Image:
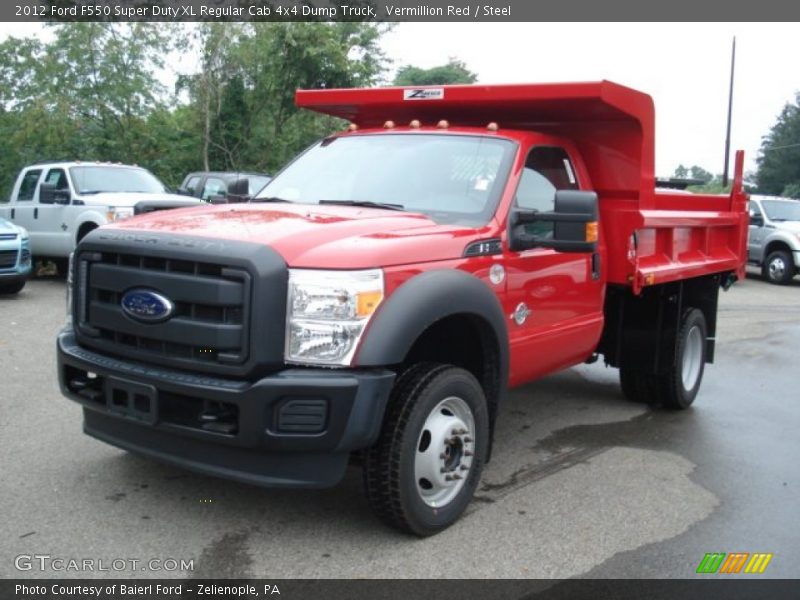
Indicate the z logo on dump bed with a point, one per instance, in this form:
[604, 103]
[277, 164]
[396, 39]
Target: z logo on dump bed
[424, 94]
[716, 562]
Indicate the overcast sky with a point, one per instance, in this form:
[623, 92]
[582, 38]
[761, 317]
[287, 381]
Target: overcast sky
[684, 66]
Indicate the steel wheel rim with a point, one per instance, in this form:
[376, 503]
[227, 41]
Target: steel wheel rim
[777, 268]
[692, 358]
[444, 452]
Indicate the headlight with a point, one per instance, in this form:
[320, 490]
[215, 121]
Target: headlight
[117, 214]
[70, 279]
[327, 312]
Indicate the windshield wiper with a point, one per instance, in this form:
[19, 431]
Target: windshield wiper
[271, 199]
[91, 192]
[366, 203]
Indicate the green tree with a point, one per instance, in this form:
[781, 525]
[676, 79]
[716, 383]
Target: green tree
[700, 174]
[245, 89]
[779, 159]
[85, 95]
[791, 191]
[93, 93]
[454, 71]
[681, 172]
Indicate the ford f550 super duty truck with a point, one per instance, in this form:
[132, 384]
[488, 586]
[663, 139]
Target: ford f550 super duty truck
[383, 291]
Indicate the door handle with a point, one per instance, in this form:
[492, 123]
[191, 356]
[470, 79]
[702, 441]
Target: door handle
[596, 266]
[13, 210]
[35, 213]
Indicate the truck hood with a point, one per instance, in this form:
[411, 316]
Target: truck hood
[314, 236]
[125, 199]
[9, 227]
[791, 226]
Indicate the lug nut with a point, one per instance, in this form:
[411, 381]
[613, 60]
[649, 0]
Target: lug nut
[467, 440]
[468, 453]
[464, 468]
[457, 476]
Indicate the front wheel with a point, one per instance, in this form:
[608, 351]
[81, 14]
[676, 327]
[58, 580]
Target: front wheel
[779, 267]
[422, 472]
[12, 288]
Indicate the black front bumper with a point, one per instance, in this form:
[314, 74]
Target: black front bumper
[294, 428]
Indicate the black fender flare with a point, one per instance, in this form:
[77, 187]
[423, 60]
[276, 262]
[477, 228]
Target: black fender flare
[422, 301]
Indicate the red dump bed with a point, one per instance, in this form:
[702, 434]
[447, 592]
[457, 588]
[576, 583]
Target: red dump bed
[651, 237]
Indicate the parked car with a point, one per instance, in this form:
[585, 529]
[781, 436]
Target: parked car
[773, 242]
[60, 202]
[380, 295]
[213, 185]
[15, 257]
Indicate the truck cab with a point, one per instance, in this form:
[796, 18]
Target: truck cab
[60, 202]
[379, 296]
[774, 237]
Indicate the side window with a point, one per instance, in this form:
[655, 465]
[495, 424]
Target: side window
[214, 187]
[28, 185]
[191, 184]
[58, 178]
[547, 169]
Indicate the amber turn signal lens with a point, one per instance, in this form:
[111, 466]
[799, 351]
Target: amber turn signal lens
[591, 231]
[367, 303]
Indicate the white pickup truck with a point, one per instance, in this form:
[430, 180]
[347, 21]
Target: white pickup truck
[60, 202]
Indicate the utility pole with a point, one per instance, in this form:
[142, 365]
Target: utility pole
[730, 111]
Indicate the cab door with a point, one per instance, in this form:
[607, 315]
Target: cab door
[22, 210]
[755, 233]
[50, 219]
[556, 298]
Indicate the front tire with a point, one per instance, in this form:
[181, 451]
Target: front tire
[422, 472]
[778, 268]
[12, 288]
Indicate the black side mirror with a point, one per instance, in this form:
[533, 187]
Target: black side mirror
[239, 187]
[238, 191]
[574, 220]
[756, 220]
[48, 194]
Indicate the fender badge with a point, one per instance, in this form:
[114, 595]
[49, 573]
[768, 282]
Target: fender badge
[521, 313]
[497, 274]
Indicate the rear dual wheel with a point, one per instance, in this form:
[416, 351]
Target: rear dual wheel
[423, 471]
[678, 387]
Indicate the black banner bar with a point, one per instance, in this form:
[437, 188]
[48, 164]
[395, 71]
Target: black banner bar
[456, 11]
[731, 588]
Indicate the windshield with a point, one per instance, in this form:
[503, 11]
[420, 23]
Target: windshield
[782, 210]
[451, 178]
[93, 180]
[255, 183]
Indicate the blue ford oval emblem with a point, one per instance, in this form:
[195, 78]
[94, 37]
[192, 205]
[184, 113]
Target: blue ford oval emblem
[147, 306]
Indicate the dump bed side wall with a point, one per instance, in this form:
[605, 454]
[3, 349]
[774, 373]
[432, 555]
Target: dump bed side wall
[682, 236]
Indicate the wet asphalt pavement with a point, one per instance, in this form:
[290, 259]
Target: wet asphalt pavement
[582, 483]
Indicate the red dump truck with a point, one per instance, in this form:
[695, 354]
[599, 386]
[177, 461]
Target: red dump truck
[382, 293]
